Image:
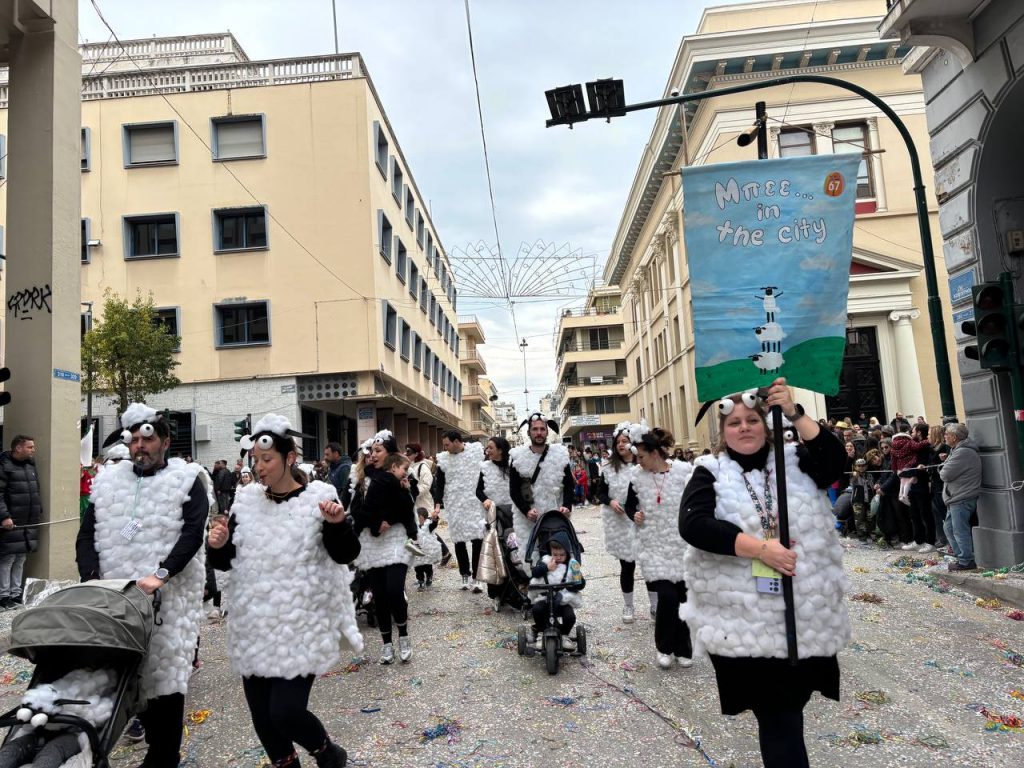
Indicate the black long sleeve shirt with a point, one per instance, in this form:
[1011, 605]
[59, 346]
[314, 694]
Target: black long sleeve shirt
[340, 541]
[193, 512]
[437, 488]
[822, 458]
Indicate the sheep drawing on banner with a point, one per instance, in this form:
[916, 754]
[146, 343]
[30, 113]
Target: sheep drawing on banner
[770, 359]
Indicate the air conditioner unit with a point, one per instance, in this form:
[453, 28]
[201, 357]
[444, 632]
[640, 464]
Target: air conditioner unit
[202, 433]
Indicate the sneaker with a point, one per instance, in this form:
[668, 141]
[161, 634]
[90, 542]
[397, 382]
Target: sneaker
[476, 586]
[926, 548]
[404, 648]
[910, 546]
[367, 597]
[135, 732]
[568, 644]
[465, 583]
[496, 603]
[627, 615]
[429, 582]
[684, 662]
[665, 660]
[946, 551]
[215, 615]
[387, 654]
[446, 558]
[19, 600]
[420, 586]
[654, 612]
[196, 666]
[332, 756]
[955, 566]
[412, 546]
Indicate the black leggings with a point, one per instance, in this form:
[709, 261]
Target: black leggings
[388, 586]
[164, 720]
[922, 519]
[626, 576]
[281, 716]
[781, 735]
[671, 634]
[463, 557]
[424, 572]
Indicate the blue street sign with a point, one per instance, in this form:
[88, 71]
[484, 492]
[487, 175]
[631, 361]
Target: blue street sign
[960, 287]
[59, 373]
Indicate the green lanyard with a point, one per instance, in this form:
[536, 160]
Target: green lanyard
[135, 504]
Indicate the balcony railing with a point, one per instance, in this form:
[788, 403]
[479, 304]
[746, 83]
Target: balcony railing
[586, 381]
[474, 390]
[585, 346]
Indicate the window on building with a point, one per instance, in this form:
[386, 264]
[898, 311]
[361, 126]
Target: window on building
[384, 235]
[380, 142]
[151, 235]
[150, 144]
[239, 137]
[3, 156]
[424, 295]
[414, 280]
[167, 318]
[86, 235]
[432, 314]
[444, 279]
[86, 149]
[397, 181]
[405, 340]
[390, 317]
[428, 362]
[240, 229]
[639, 373]
[437, 370]
[437, 261]
[599, 338]
[854, 138]
[796, 142]
[677, 334]
[417, 350]
[85, 323]
[401, 260]
[419, 229]
[243, 324]
[605, 404]
[410, 206]
[429, 249]
[455, 298]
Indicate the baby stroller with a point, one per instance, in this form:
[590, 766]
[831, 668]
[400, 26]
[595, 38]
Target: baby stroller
[95, 625]
[363, 598]
[547, 526]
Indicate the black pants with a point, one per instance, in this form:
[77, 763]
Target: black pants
[781, 735]
[211, 592]
[626, 576]
[388, 585]
[424, 572]
[163, 721]
[565, 616]
[281, 716]
[921, 518]
[671, 635]
[463, 557]
[939, 516]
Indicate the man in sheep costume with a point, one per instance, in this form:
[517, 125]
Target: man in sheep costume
[146, 521]
[454, 488]
[539, 477]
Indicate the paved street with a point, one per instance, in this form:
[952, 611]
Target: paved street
[921, 663]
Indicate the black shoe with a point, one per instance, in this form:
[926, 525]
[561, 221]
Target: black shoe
[430, 581]
[332, 756]
[19, 600]
[135, 732]
[971, 566]
[446, 558]
[7, 603]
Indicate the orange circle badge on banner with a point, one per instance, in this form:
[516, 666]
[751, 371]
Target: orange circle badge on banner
[834, 184]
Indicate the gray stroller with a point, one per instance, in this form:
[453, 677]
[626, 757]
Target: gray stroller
[98, 625]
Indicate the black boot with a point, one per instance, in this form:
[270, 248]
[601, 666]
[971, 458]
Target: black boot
[331, 756]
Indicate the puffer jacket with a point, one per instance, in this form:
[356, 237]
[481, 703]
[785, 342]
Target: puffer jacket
[20, 501]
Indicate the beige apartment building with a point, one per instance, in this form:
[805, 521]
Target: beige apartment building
[593, 381]
[477, 416]
[889, 364]
[270, 211]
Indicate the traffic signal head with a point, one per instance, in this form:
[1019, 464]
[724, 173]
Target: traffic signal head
[241, 428]
[992, 326]
[5, 397]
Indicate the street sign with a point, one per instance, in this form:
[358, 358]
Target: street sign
[60, 373]
[960, 287]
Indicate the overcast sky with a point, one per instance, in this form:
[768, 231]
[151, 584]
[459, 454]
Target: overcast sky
[555, 185]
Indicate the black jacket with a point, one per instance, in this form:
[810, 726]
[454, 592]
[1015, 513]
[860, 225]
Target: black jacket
[20, 501]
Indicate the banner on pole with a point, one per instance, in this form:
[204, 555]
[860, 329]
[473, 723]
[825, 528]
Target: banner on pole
[769, 244]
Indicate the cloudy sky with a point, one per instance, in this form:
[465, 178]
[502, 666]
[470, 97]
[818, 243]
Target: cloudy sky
[559, 186]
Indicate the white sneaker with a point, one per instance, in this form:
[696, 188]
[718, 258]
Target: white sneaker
[926, 548]
[404, 649]
[215, 615]
[412, 546]
[387, 654]
[627, 616]
[476, 587]
[465, 583]
[568, 644]
[496, 602]
[665, 660]
[684, 662]
[910, 547]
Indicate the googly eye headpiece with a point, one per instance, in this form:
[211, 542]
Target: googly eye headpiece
[139, 417]
[752, 398]
[538, 416]
[264, 431]
[621, 428]
[364, 446]
[636, 433]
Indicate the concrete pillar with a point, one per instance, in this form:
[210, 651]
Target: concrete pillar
[909, 375]
[386, 419]
[366, 421]
[43, 281]
[412, 427]
[401, 430]
[881, 202]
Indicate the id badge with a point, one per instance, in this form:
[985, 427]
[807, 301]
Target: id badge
[131, 529]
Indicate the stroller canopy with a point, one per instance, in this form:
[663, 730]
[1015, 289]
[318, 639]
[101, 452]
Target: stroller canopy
[103, 619]
[547, 525]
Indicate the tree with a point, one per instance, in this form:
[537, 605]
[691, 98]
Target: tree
[130, 353]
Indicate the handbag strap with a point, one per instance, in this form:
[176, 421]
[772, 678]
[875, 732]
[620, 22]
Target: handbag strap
[536, 472]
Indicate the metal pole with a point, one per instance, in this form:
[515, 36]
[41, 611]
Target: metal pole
[936, 319]
[334, 16]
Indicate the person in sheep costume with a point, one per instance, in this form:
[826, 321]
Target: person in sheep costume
[88, 694]
[146, 521]
[728, 516]
[492, 491]
[652, 502]
[539, 477]
[455, 481]
[286, 542]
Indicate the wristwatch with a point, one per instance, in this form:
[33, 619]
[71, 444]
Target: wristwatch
[162, 573]
[798, 412]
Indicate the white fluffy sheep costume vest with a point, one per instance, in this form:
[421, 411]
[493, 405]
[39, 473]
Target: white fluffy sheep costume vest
[660, 548]
[724, 607]
[619, 530]
[495, 483]
[118, 495]
[290, 603]
[463, 510]
[547, 489]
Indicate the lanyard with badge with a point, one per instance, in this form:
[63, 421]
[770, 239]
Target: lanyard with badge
[133, 526]
[768, 580]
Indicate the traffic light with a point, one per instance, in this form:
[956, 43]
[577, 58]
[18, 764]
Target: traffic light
[993, 326]
[5, 397]
[243, 427]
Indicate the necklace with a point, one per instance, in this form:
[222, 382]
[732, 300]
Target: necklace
[764, 509]
[658, 486]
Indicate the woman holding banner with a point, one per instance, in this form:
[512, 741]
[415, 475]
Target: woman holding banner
[728, 515]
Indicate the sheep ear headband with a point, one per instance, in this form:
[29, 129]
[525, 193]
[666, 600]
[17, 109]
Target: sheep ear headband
[622, 428]
[263, 432]
[636, 433]
[752, 398]
[528, 422]
[141, 417]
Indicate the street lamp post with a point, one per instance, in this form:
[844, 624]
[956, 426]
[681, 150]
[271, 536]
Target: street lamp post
[526, 390]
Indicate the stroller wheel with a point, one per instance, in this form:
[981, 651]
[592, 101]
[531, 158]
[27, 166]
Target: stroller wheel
[521, 641]
[581, 640]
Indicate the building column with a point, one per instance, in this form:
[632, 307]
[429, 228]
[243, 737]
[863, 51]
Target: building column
[908, 376]
[43, 280]
[823, 138]
[875, 161]
[412, 428]
[366, 421]
[401, 430]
